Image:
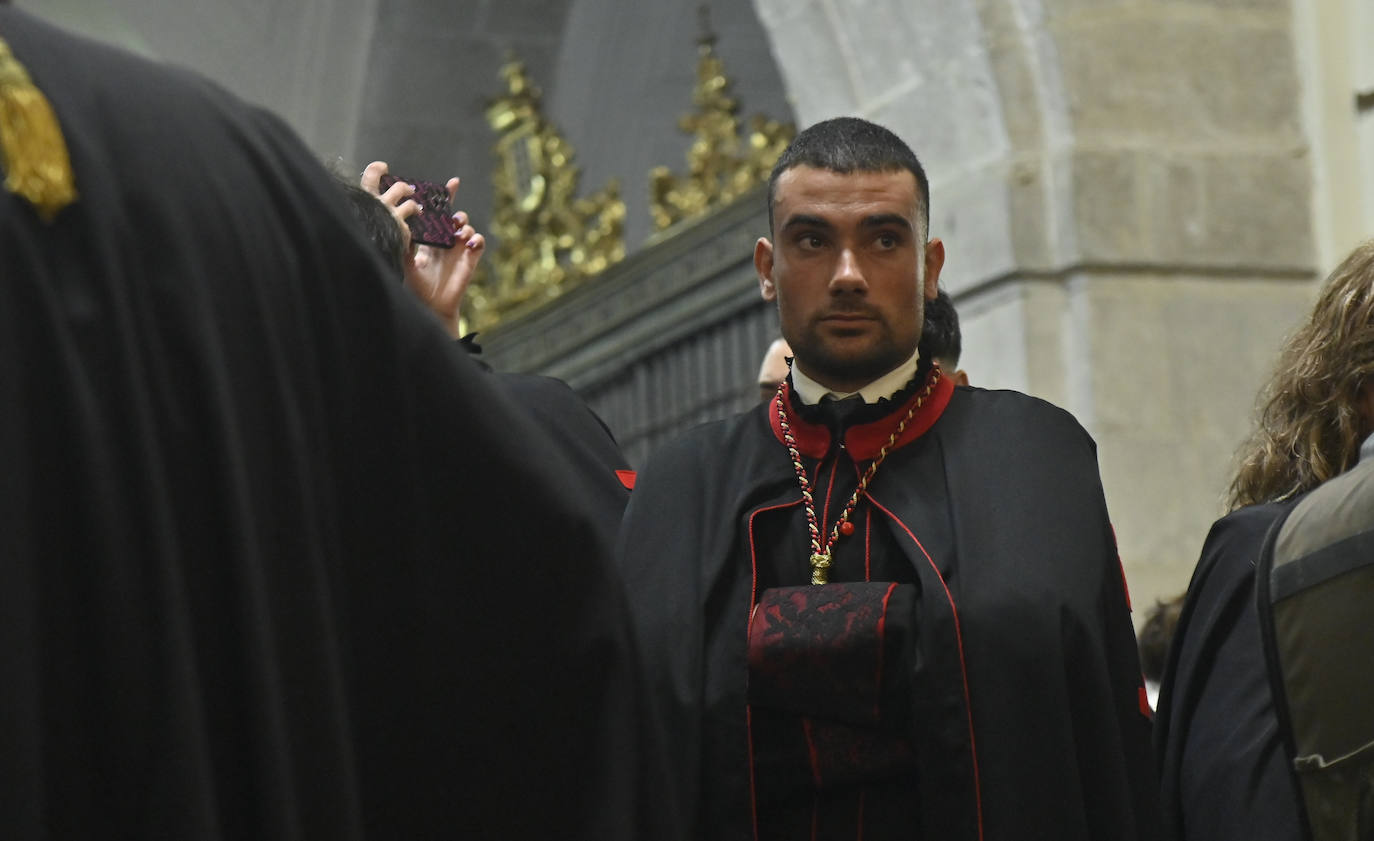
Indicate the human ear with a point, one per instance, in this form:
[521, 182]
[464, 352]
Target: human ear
[763, 264]
[935, 261]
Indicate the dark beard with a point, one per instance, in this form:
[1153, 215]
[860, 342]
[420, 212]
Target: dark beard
[820, 364]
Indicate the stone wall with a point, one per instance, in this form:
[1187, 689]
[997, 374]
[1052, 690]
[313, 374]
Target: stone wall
[1333, 38]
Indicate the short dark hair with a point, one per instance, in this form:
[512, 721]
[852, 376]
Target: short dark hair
[1157, 635]
[940, 338]
[382, 229]
[849, 144]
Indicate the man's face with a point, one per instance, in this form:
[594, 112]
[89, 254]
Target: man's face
[848, 271]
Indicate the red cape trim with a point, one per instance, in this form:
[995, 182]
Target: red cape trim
[865, 440]
[749, 710]
[959, 640]
[627, 478]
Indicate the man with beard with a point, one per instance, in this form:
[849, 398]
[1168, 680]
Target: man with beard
[878, 606]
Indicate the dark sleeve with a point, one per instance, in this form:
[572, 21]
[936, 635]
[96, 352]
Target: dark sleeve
[502, 669]
[1063, 744]
[600, 470]
[656, 555]
[1104, 693]
[1126, 683]
[1223, 770]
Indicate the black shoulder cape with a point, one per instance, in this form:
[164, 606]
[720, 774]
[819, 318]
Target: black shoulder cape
[1028, 681]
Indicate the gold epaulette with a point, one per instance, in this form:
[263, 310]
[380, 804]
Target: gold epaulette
[37, 167]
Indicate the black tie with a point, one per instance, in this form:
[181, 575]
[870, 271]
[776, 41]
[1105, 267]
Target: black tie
[837, 412]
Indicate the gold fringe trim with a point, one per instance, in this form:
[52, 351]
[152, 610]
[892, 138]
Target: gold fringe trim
[35, 159]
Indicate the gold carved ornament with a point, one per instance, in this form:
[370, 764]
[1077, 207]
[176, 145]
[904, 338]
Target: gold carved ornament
[33, 151]
[548, 239]
[721, 165]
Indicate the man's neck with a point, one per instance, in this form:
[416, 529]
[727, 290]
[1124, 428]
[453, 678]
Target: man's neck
[809, 390]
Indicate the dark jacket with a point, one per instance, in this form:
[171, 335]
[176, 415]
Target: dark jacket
[1223, 772]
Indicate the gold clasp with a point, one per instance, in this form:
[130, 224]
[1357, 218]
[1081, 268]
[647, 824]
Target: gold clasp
[820, 567]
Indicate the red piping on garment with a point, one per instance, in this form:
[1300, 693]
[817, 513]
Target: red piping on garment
[811, 755]
[963, 666]
[882, 627]
[749, 615]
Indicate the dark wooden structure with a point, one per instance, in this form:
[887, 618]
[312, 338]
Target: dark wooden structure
[670, 338]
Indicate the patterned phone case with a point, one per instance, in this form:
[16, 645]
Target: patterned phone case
[433, 225]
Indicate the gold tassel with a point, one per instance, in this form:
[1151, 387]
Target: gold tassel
[35, 159]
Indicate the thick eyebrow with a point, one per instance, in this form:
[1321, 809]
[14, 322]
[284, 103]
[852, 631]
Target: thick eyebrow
[805, 220]
[882, 220]
[879, 220]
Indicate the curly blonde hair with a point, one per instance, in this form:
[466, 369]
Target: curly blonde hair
[1310, 425]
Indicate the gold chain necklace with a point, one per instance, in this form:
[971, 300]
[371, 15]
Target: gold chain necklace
[820, 554]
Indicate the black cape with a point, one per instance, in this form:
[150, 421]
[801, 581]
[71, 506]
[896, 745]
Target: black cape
[604, 474]
[276, 559]
[1033, 635]
[1223, 769]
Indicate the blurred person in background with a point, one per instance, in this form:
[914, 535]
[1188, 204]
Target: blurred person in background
[1225, 771]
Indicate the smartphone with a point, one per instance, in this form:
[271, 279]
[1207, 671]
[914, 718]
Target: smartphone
[434, 224]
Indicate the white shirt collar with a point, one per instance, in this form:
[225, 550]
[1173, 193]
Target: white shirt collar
[887, 385]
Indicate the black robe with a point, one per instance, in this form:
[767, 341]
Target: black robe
[605, 476]
[1223, 770]
[276, 559]
[1028, 693]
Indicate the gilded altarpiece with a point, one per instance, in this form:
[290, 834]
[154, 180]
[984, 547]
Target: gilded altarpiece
[669, 337]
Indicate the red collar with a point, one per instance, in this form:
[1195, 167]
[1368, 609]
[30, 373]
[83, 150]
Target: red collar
[863, 441]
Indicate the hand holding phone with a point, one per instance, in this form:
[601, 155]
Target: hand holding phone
[433, 225]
